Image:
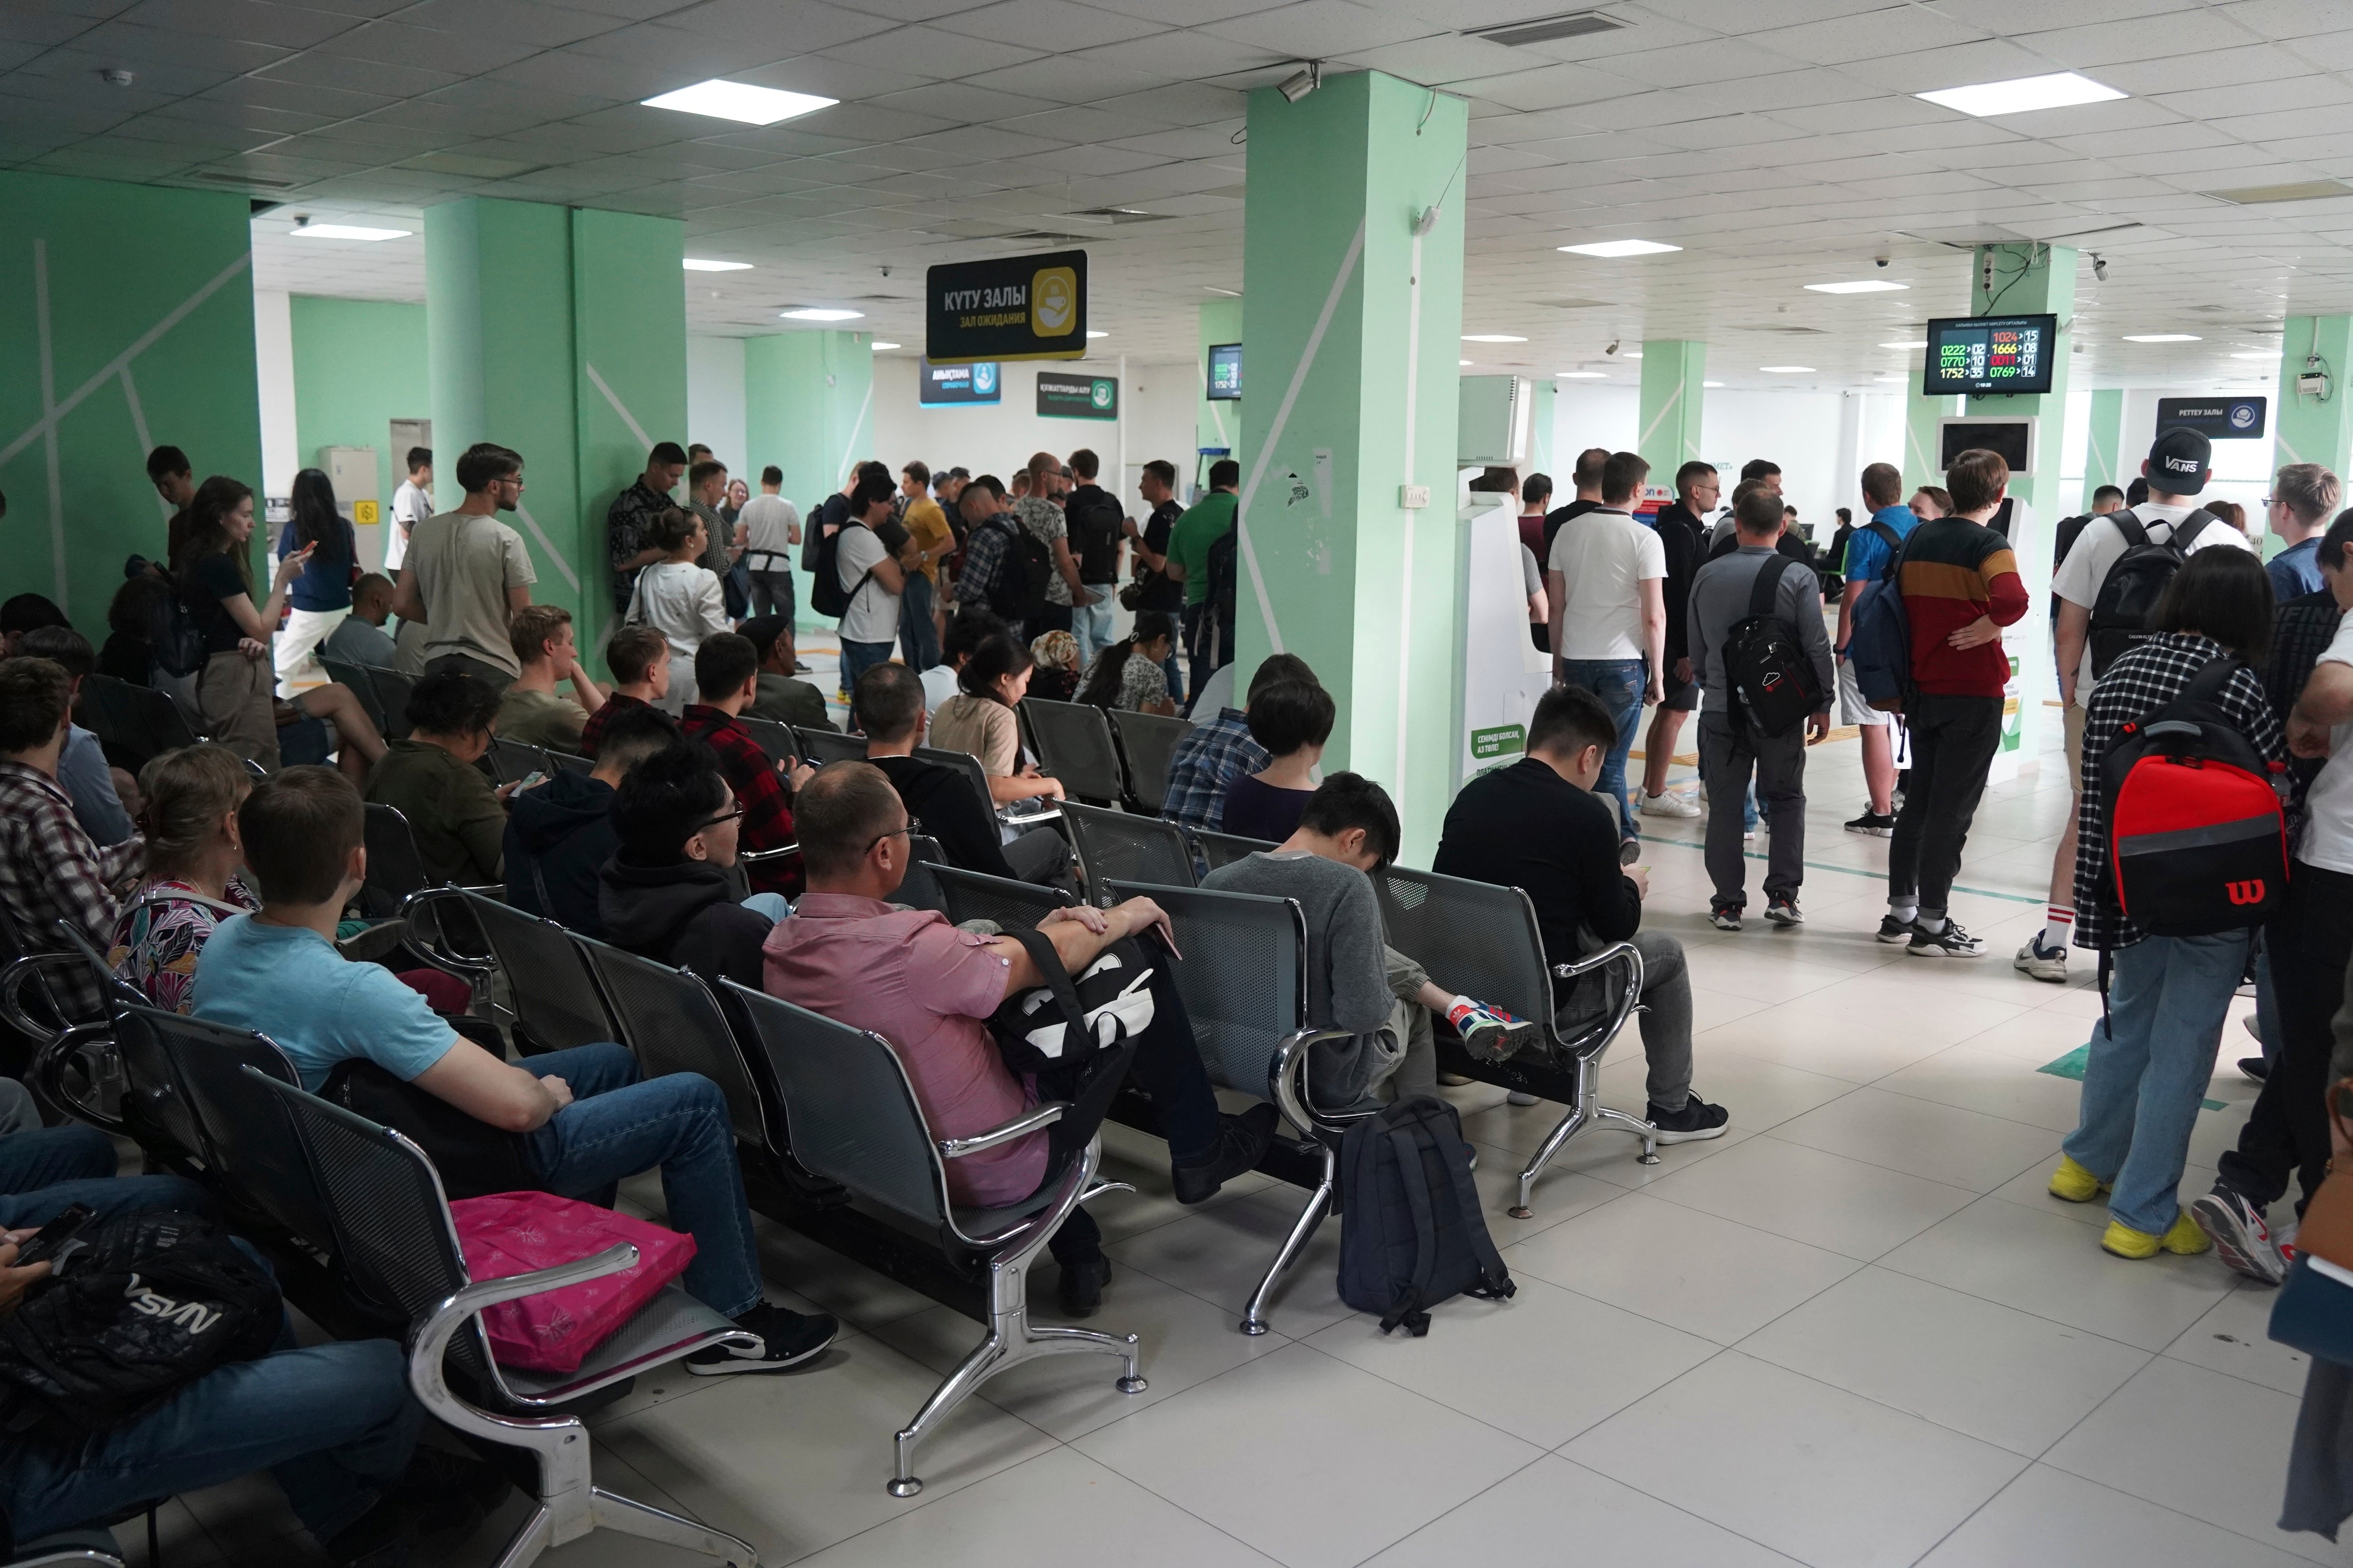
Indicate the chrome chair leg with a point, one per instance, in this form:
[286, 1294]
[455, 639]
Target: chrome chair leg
[1589, 1111]
[1319, 1204]
[611, 1510]
[1578, 1115]
[1624, 1122]
[528, 1541]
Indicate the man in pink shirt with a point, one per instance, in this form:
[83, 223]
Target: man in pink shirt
[929, 988]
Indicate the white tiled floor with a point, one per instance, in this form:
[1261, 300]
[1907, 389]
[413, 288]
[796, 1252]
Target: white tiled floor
[1853, 1333]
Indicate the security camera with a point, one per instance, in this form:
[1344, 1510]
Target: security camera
[886, 269]
[1879, 261]
[115, 76]
[1302, 81]
[1612, 347]
[2099, 267]
[302, 220]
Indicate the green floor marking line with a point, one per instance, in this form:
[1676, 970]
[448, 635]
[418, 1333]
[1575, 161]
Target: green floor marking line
[1847, 870]
[2072, 1066]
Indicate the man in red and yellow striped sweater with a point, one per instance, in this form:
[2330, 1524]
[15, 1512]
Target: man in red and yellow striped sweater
[1960, 587]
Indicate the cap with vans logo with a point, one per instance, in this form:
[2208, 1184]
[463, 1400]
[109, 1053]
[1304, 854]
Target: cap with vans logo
[2178, 461]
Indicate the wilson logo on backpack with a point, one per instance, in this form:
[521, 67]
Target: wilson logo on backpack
[2246, 892]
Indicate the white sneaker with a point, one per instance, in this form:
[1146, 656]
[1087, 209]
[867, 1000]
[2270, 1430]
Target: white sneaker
[1670, 804]
[2042, 962]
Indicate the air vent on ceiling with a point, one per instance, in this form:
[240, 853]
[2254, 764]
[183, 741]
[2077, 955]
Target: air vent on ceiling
[1778, 327]
[1114, 215]
[231, 177]
[2302, 191]
[1545, 29]
[468, 165]
[1575, 304]
[1027, 235]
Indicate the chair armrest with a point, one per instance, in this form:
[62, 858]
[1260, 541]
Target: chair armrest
[1623, 953]
[467, 969]
[46, 1075]
[1021, 1126]
[756, 856]
[428, 1341]
[1012, 818]
[1615, 953]
[12, 983]
[1287, 1083]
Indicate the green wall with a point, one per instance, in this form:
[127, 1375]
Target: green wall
[359, 364]
[128, 310]
[808, 407]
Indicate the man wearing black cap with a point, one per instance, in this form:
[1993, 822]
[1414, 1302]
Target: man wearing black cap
[2177, 469]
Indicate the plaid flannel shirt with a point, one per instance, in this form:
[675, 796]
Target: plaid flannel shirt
[1206, 761]
[767, 811]
[50, 871]
[592, 733]
[629, 530]
[2301, 633]
[983, 559]
[2153, 674]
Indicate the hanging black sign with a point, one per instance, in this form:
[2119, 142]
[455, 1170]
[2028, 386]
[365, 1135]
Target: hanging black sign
[2216, 419]
[1015, 307]
[1061, 396]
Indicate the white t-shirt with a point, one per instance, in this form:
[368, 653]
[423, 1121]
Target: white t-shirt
[2327, 839]
[771, 519]
[410, 506]
[2102, 542]
[939, 685]
[682, 601]
[873, 612]
[1603, 558]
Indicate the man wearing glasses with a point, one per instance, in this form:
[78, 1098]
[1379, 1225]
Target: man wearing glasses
[666, 893]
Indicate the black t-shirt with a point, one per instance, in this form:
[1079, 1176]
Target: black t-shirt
[1095, 519]
[208, 580]
[943, 797]
[1554, 518]
[1161, 591]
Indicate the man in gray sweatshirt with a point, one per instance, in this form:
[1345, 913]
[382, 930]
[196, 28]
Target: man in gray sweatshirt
[1730, 746]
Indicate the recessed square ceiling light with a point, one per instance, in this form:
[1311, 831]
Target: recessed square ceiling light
[1463, 361]
[2024, 94]
[1491, 338]
[1580, 376]
[1615, 248]
[1860, 286]
[2162, 338]
[1632, 354]
[819, 313]
[878, 348]
[2301, 191]
[349, 231]
[1787, 369]
[1917, 345]
[696, 263]
[1710, 383]
[740, 101]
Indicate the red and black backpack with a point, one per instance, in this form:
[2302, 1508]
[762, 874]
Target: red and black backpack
[2196, 838]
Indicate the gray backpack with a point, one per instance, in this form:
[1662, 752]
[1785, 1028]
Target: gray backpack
[1411, 1232]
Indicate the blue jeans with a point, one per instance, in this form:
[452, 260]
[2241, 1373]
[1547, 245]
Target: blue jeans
[2148, 1067]
[1090, 624]
[1620, 683]
[619, 1125]
[919, 640]
[858, 657]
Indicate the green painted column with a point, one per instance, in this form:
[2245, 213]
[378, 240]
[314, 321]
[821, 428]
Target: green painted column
[808, 407]
[1540, 434]
[126, 323]
[1672, 397]
[2102, 447]
[1353, 322]
[628, 337]
[1218, 423]
[2315, 429]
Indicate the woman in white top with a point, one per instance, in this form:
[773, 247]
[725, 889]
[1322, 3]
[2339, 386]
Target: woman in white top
[680, 599]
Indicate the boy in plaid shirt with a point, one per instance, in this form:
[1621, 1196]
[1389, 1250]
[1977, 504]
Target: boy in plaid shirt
[726, 673]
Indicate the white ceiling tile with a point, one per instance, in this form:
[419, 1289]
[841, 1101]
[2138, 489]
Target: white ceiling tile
[346, 75]
[1051, 27]
[830, 78]
[2272, 97]
[1439, 60]
[1897, 29]
[1053, 80]
[772, 30]
[514, 21]
[455, 53]
[2286, 18]
[960, 102]
[2267, 64]
[1319, 30]
[1550, 87]
[927, 51]
[2174, 33]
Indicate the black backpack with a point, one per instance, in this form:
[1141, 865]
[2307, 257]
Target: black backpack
[1018, 594]
[179, 647]
[2129, 593]
[1223, 564]
[827, 595]
[138, 1306]
[1411, 1232]
[1769, 672]
[1094, 525]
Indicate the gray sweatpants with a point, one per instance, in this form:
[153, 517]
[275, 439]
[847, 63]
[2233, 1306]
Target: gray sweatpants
[1730, 750]
[1666, 989]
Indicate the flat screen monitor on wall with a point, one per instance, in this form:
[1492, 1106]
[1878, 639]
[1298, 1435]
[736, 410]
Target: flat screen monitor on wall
[1987, 354]
[1225, 373]
[2014, 439]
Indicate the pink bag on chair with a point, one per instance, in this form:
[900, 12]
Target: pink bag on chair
[515, 1233]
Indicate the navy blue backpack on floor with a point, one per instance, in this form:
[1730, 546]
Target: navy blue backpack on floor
[1411, 1232]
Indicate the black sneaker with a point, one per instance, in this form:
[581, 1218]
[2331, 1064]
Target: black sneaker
[1698, 1120]
[1891, 930]
[1082, 1285]
[1724, 917]
[2255, 1070]
[445, 1492]
[1950, 943]
[1878, 823]
[787, 1339]
[1240, 1145]
[1629, 851]
[1783, 912]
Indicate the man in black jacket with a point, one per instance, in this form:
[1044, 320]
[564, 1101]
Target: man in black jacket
[1682, 531]
[888, 706]
[665, 894]
[560, 834]
[1538, 826]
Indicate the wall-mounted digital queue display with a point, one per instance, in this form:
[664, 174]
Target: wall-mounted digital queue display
[1984, 354]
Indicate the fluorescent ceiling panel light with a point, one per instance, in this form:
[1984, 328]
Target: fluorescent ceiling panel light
[1891, 380]
[1092, 333]
[1860, 286]
[1617, 247]
[2024, 94]
[740, 101]
[1917, 345]
[1226, 293]
[1463, 361]
[349, 231]
[1632, 354]
[1710, 383]
[1580, 376]
[2258, 354]
[696, 263]
[2162, 338]
[2301, 191]
[878, 348]
[1787, 369]
[1491, 338]
[815, 313]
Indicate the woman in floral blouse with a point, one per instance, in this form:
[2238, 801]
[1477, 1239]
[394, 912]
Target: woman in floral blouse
[191, 886]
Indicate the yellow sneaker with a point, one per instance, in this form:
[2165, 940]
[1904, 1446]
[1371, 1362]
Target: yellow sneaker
[2184, 1240]
[2075, 1184]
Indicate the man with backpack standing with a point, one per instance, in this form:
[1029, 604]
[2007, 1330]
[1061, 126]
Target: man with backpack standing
[1203, 524]
[1959, 586]
[1871, 559]
[1758, 647]
[1040, 514]
[1005, 565]
[870, 581]
[2099, 618]
[1096, 522]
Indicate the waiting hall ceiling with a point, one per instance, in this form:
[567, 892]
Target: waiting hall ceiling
[1777, 141]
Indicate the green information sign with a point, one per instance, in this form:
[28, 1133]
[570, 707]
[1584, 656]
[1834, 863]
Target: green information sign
[1500, 741]
[1063, 396]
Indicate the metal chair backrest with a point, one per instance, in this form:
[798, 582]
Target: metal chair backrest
[363, 686]
[1225, 848]
[243, 1144]
[1484, 939]
[1075, 745]
[673, 1024]
[395, 868]
[775, 739]
[1115, 845]
[152, 1092]
[921, 890]
[1147, 744]
[511, 761]
[977, 896]
[1244, 976]
[556, 999]
[849, 1113]
[156, 718]
[566, 762]
[822, 746]
[107, 713]
[923, 848]
[965, 765]
[393, 690]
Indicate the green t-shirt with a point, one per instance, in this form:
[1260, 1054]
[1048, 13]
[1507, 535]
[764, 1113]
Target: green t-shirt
[1190, 540]
[542, 718]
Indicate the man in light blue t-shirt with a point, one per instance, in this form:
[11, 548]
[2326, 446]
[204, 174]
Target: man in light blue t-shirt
[1869, 559]
[589, 1119]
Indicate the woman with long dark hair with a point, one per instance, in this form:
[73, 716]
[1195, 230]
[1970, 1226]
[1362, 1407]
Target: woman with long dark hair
[979, 719]
[1128, 673]
[322, 595]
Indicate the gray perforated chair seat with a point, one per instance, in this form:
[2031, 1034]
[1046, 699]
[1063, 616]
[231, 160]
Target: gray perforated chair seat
[1005, 903]
[1117, 846]
[647, 1340]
